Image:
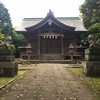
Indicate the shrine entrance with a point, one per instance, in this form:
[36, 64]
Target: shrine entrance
[50, 46]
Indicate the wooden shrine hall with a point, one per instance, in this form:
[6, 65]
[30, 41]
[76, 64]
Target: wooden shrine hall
[50, 37]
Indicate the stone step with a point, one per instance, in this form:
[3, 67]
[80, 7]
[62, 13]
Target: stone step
[53, 61]
[50, 57]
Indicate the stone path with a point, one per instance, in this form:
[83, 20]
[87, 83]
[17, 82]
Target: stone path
[47, 82]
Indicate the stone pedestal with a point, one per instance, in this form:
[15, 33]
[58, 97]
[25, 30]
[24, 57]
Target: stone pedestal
[92, 62]
[8, 67]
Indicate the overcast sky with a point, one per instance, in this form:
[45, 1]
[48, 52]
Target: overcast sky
[19, 9]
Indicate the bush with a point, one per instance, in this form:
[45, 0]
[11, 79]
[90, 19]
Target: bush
[13, 48]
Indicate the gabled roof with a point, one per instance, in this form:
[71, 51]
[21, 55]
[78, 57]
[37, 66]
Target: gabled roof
[49, 19]
[69, 23]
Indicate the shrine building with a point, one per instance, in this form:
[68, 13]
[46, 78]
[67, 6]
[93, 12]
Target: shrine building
[51, 37]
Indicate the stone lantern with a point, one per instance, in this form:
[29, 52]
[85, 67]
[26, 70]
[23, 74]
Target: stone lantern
[71, 51]
[28, 51]
[25, 52]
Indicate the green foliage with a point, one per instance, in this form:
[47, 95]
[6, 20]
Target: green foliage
[90, 10]
[1, 36]
[13, 48]
[18, 39]
[7, 30]
[5, 21]
[95, 28]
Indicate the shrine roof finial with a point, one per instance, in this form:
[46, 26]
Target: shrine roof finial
[50, 12]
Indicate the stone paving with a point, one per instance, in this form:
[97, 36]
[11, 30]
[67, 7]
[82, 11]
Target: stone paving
[47, 82]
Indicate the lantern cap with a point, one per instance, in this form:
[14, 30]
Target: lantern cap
[71, 46]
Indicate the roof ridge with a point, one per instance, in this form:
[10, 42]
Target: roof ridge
[40, 18]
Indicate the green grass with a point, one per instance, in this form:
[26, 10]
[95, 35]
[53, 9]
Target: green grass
[92, 82]
[76, 71]
[5, 80]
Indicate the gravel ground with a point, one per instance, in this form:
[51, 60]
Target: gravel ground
[47, 82]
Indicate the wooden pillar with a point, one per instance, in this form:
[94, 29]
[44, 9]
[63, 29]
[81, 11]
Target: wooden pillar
[62, 48]
[75, 40]
[38, 47]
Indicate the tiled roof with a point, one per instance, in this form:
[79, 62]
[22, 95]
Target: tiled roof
[69, 21]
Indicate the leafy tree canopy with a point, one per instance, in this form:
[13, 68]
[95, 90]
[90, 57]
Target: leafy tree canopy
[90, 10]
[5, 21]
[1, 36]
[6, 29]
[19, 39]
[95, 29]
